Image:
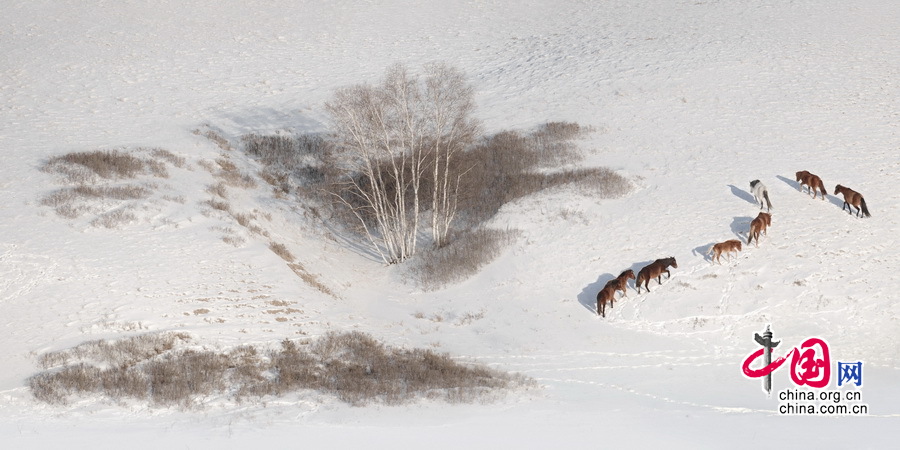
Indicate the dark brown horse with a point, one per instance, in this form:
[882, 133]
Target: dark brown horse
[812, 182]
[654, 270]
[854, 198]
[621, 281]
[608, 293]
[759, 225]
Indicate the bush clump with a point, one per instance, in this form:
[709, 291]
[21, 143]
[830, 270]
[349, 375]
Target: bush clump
[354, 367]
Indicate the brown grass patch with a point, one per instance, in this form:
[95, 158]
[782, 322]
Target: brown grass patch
[78, 167]
[311, 279]
[353, 367]
[282, 251]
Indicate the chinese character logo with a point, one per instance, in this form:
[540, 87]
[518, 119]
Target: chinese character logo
[850, 373]
[810, 363]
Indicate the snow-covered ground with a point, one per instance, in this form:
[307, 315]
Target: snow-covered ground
[689, 99]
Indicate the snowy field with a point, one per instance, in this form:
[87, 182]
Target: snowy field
[688, 99]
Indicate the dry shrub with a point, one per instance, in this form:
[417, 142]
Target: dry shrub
[114, 218]
[166, 155]
[561, 131]
[216, 138]
[508, 166]
[464, 257]
[55, 387]
[125, 352]
[245, 220]
[311, 279]
[278, 179]
[232, 176]
[95, 175]
[602, 182]
[125, 192]
[178, 379]
[73, 202]
[282, 251]
[292, 163]
[109, 164]
[218, 189]
[233, 240]
[290, 152]
[208, 165]
[158, 168]
[358, 369]
[496, 171]
[63, 202]
[354, 367]
[218, 205]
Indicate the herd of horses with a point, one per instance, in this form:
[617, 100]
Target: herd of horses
[759, 225]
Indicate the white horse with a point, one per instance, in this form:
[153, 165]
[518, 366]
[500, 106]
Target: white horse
[760, 193]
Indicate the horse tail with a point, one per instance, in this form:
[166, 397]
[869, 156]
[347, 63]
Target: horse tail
[862, 203]
[768, 202]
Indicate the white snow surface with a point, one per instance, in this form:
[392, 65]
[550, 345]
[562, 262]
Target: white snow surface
[689, 99]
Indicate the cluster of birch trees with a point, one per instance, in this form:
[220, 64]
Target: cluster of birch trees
[397, 141]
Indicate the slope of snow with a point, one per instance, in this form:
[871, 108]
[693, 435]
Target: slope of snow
[691, 101]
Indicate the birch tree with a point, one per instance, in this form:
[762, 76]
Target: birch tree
[390, 135]
[449, 105]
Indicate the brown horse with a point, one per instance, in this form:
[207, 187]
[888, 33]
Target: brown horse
[621, 281]
[654, 270]
[608, 293]
[767, 217]
[727, 247]
[854, 198]
[759, 225]
[813, 183]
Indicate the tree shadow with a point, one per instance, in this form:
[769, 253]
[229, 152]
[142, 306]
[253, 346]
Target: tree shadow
[740, 225]
[267, 120]
[742, 194]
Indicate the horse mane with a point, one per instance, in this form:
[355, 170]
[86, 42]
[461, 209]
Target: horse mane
[754, 183]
